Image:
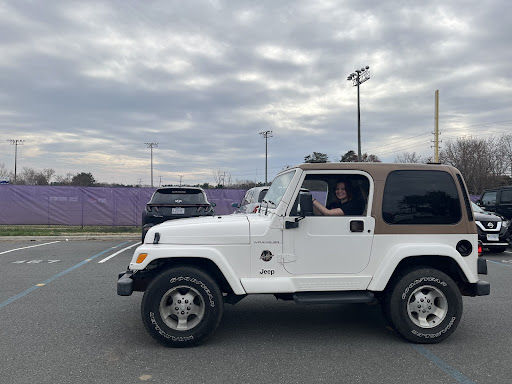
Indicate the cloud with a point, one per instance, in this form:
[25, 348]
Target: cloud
[87, 84]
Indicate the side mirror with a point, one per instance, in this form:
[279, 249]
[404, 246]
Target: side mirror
[213, 204]
[235, 205]
[306, 204]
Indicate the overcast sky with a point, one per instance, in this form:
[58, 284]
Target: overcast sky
[86, 84]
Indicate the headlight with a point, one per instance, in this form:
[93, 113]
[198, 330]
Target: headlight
[505, 223]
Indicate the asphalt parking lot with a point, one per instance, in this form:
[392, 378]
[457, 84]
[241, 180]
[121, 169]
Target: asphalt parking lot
[62, 322]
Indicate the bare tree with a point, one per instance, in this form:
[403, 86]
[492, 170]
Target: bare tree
[481, 162]
[409, 157]
[506, 146]
[222, 178]
[4, 172]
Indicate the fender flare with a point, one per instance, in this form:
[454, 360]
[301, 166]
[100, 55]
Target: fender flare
[402, 251]
[193, 253]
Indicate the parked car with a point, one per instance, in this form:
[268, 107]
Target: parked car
[251, 201]
[497, 200]
[171, 202]
[493, 230]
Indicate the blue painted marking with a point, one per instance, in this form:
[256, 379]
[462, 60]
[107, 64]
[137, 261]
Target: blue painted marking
[441, 364]
[26, 292]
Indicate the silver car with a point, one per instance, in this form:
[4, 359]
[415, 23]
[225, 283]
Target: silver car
[252, 200]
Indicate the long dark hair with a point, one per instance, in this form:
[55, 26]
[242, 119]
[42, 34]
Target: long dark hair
[348, 188]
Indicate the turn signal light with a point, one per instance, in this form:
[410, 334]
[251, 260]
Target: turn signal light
[142, 257]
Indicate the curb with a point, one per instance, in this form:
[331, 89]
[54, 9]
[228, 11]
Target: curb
[69, 238]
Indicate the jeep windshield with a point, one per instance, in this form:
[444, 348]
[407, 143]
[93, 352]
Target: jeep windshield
[278, 188]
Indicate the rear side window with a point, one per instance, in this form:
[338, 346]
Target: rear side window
[178, 196]
[489, 198]
[421, 197]
[506, 196]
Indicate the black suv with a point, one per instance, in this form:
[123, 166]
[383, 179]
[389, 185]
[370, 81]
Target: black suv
[168, 203]
[493, 230]
[497, 200]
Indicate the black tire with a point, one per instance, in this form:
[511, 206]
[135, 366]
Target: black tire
[497, 248]
[423, 305]
[182, 307]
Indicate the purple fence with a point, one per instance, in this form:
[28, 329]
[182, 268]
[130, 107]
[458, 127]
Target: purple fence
[46, 205]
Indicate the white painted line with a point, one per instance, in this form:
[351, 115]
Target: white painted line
[117, 253]
[30, 246]
[507, 252]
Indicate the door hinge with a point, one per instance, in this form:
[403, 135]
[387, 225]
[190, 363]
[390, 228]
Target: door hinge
[286, 258]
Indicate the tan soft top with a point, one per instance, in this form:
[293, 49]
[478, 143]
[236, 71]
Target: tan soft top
[379, 173]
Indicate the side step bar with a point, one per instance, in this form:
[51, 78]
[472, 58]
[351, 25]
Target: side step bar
[343, 297]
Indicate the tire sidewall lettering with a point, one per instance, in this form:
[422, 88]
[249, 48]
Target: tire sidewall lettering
[421, 280]
[398, 298]
[204, 285]
[196, 282]
[435, 335]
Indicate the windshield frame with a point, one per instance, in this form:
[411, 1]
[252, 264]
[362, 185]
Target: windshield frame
[278, 188]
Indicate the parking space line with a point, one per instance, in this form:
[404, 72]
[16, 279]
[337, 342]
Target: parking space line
[30, 246]
[441, 364]
[42, 284]
[118, 252]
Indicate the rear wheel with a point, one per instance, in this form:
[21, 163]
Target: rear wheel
[423, 305]
[182, 307]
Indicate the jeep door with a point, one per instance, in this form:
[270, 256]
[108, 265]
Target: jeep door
[330, 244]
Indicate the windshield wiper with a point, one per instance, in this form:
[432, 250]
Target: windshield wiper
[266, 202]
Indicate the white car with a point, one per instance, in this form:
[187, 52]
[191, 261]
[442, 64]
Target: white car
[252, 200]
[411, 244]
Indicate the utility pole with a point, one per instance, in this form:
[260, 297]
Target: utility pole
[266, 135]
[181, 176]
[16, 142]
[436, 128]
[152, 145]
[359, 77]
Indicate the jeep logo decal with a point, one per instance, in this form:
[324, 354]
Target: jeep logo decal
[266, 256]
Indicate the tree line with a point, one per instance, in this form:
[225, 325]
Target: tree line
[484, 163]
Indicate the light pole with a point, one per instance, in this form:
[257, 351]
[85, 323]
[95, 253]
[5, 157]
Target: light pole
[16, 142]
[359, 77]
[266, 135]
[152, 145]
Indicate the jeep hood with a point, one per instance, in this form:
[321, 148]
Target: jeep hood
[211, 230]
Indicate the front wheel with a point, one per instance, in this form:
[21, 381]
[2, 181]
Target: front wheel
[423, 305]
[182, 307]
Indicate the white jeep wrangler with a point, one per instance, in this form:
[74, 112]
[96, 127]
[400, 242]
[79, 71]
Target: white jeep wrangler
[412, 246]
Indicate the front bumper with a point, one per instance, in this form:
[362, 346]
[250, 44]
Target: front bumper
[130, 281]
[125, 283]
